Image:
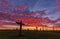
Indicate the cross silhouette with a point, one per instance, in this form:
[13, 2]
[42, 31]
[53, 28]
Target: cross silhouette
[20, 30]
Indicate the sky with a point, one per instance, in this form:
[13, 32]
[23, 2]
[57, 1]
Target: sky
[30, 11]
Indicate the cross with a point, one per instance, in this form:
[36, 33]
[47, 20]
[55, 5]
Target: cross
[20, 30]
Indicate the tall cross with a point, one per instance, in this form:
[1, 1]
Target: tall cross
[20, 30]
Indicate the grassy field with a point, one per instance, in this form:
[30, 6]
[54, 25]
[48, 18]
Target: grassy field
[7, 34]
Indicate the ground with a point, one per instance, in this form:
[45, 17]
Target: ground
[8, 34]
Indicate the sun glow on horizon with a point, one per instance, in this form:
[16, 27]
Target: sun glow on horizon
[10, 27]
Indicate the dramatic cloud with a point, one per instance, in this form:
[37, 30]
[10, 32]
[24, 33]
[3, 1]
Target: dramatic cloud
[34, 13]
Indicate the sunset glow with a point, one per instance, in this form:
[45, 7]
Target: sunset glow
[38, 13]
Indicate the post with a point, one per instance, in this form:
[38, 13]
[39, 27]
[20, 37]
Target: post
[43, 28]
[36, 28]
[20, 30]
[53, 28]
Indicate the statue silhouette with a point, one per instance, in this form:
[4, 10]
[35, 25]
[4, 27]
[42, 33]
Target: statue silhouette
[20, 30]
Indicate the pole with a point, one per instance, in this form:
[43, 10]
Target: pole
[20, 30]
[53, 28]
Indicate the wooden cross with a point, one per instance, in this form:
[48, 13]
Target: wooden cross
[20, 30]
